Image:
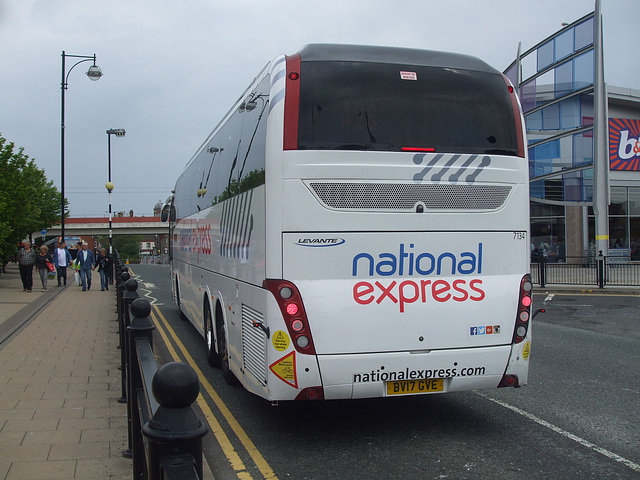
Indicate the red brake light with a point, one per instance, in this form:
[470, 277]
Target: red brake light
[524, 313]
[289, 300]
[292, 308]
[291, 102]
[418, 149]
[516, 116]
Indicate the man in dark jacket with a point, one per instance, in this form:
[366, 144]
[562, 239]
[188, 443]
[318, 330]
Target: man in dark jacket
[86, 260]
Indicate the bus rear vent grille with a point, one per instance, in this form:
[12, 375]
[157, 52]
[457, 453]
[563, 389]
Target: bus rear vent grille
[254, 348]
[405, 196]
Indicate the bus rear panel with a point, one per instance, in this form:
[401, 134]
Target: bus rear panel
[384, 250]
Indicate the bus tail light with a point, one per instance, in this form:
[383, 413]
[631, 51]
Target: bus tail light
[508, 381]
[311, 393]
[291, 103]
[290, 302]
[418, 149]
[524, 310]
[517, 116]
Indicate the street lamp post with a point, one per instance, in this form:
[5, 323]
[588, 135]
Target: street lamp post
[94, 73]
[118, 132]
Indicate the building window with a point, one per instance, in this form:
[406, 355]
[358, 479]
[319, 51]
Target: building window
[624, 221]
[548, 232]
[584, 34]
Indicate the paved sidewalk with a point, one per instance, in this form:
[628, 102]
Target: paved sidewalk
[59, 383]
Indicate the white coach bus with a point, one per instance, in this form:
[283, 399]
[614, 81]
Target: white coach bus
[357, 226]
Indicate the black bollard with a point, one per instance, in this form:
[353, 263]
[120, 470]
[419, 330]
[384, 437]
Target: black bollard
[129, 297]
[542, 270]
[124, 276]
[140, 330]
[122, 331]
[601, 270]
[174, 434]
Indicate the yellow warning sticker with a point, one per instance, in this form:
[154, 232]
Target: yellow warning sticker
[280, 341]
[285, 369]
[526, 350]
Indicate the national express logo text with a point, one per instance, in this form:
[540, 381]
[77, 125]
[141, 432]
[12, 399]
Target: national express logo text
[196, 240]
[407, 262]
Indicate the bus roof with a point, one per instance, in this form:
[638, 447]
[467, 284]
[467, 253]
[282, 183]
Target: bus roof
[394, 55]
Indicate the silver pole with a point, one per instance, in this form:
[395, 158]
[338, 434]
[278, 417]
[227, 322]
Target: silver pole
[600, 145]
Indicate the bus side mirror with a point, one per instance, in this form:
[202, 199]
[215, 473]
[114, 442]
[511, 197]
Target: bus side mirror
[164, 215]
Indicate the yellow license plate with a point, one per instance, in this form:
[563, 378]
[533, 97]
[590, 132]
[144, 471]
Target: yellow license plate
[409, 387]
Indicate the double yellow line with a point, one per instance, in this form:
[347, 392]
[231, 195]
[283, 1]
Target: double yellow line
[234, 459]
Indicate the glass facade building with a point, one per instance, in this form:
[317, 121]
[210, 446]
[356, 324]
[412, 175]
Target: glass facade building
[556, 84]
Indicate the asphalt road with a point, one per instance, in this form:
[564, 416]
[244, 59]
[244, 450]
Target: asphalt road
[577, 418]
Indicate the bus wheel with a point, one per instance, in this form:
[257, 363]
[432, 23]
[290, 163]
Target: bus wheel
[183, 317]
[212, 356]
[223, 353]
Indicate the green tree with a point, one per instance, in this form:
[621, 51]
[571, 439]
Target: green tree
[128, 246]
[28, 200]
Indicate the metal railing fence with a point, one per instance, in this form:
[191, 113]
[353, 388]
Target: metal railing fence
[164, 432]
[586, 270]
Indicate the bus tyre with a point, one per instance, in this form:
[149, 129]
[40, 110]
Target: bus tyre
[183, 317]
[212, 356]
[223, 350]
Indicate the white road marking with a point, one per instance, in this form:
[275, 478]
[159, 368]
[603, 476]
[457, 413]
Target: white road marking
[147, 289]
[585, 443]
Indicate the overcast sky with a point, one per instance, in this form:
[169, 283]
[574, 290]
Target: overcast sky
[173, 68]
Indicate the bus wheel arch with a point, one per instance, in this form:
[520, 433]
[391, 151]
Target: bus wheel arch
[223, 346]
[210, 335]
[177, 290]
[178, 300]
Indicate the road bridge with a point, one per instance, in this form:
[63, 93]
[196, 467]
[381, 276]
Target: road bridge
[97, 226]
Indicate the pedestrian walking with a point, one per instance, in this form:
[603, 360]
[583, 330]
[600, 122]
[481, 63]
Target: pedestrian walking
[62, 259]
[26, 260]
[104, 267]
[74, 251]
[86, 261]
[43, 260]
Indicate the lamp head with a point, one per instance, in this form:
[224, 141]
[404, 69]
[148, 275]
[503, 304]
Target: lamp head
[118, 132]
[109, 186]
[94, 73]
